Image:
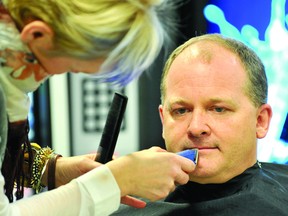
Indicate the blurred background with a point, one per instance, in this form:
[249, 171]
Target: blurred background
[69, 111]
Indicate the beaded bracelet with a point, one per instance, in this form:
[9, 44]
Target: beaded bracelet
[39, 166]
[26, 164]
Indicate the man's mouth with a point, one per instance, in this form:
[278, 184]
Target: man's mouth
[206, 148]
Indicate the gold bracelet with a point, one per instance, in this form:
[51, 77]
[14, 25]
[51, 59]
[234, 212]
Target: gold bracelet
[27, 167]
[38, 167]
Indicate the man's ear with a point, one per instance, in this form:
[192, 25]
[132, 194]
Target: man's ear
[263, 120]
[160, 109]
[37, 33]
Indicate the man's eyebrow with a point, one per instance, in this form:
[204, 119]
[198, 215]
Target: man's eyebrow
[180, 101]
[217, 100]
[175, 101]
[223, 100]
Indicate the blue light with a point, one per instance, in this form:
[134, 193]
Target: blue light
[271, 44]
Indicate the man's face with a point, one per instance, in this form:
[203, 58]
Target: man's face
[205, 107]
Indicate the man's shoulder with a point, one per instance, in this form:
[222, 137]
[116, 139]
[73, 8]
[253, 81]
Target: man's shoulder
[275, 167]
[276, 171]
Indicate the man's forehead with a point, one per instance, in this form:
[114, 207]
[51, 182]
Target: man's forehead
[201, 50]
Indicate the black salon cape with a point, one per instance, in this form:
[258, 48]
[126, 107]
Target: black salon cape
[257, 191]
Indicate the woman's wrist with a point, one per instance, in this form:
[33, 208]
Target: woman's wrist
[51, 166]
[117, 168]
[39, 168]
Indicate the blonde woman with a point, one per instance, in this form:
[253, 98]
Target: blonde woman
[115, 40]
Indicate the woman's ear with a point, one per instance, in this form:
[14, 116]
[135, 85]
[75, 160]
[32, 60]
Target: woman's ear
[263, 120]
[37, 33]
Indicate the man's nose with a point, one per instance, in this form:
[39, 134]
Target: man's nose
[198, 125]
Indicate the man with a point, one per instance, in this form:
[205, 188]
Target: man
[214, 99]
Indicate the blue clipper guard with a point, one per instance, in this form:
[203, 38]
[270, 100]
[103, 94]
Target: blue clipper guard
[191, 154]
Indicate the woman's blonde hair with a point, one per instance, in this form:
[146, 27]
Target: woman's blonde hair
[128, 33]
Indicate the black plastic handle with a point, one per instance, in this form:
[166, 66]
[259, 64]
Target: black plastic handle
[112, 128]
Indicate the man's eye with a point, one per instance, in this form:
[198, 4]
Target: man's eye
[180, 111]
[219, 109]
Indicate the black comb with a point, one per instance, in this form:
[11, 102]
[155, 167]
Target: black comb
[112, 128]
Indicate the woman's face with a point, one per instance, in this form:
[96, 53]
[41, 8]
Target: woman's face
[40, 39]
[59, 65]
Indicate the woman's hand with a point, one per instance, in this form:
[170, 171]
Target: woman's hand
[68, 168]
[151, 174]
